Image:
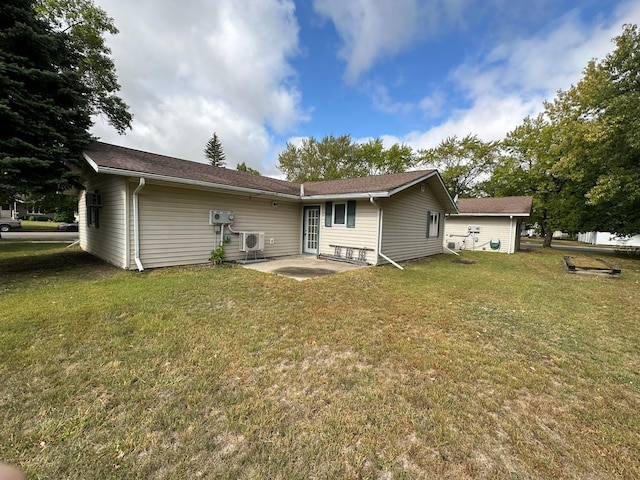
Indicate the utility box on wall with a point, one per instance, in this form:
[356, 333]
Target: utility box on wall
[473, 228]
[220, 217]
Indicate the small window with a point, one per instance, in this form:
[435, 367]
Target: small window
[94, 203]
[433, 224]
[339, 213]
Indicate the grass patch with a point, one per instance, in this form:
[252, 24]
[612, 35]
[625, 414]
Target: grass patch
[505, 368]
[33, 226]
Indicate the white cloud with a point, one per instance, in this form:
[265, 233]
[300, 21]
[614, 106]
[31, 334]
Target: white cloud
[514, 79]
[189, 69]
[372, 30]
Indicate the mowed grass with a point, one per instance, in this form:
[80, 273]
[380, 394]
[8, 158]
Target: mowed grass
[506, 368]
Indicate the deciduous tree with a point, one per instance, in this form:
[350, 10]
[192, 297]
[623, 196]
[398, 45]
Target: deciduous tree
[463, 162]
[526, 167]
[242, 167]
[340, 157]
[86, 25]
[599, 120]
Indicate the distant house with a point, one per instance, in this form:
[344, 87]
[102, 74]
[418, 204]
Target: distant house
[608, 238]
[489, 224]
[142, 210]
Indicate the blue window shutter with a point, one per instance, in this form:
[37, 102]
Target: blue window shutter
[351, 214]
[428, 222]
[328, 213]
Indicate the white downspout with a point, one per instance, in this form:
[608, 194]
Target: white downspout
[509, 249]
[381, 218]
[136, 224]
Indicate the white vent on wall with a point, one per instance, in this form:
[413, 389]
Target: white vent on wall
[251, 241]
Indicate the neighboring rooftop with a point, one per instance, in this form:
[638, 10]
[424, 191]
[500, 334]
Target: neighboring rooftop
[520, 206]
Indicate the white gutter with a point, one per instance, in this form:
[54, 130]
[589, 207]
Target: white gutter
[460, 215]
[136, 224]
[380, 219]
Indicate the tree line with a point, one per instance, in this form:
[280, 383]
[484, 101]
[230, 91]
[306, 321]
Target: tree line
[579, 158]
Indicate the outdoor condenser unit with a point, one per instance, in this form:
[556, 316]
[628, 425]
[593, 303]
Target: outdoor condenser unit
[251, 241]
[220, 217]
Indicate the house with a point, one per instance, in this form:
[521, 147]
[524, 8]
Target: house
[487, 224]
[143, 210]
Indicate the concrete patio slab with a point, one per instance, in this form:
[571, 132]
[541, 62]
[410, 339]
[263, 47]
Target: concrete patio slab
[301, 267]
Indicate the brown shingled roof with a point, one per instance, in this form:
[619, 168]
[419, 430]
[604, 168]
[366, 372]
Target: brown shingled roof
[130, 160]
[373, 183]
[126, 161]
[496, 205]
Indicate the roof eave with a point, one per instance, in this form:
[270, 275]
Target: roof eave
[461, 214]
[185, 181]
[340, 196]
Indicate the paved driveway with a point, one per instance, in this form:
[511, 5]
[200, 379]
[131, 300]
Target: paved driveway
[301, 267]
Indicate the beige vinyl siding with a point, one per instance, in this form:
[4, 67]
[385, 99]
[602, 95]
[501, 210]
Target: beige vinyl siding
[491, 228]
[108, 241]
[175, 230]
[364, 235]
[404, 224]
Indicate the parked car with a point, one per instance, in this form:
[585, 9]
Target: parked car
[68, 227]
[8, 224]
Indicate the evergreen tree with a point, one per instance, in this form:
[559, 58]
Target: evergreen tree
[44, 108]
[214, 151]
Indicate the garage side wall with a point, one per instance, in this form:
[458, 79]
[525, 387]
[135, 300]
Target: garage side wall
[175, 230]
[404, 230]
[106, 240]
[491, 228]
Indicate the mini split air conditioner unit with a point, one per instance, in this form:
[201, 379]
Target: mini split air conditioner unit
[251, 241]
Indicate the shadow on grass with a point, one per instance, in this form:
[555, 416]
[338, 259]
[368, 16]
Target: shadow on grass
[19, 264]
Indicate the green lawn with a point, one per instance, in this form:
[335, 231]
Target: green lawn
[32, 226]
[506, 368]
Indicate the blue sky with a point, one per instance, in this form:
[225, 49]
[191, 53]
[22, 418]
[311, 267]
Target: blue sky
[261, 73]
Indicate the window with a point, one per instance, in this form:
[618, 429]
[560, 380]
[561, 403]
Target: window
[340, 214]
[94, 203]
[433, 224]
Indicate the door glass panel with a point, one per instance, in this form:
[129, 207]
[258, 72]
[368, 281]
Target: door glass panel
[313, 217]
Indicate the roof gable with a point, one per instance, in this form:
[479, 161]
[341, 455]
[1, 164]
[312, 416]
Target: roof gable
[520, 206]
[372, 183]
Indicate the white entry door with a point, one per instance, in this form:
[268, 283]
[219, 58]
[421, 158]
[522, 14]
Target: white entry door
[311, 230]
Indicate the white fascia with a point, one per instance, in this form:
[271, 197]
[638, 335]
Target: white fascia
[524, 215]
[344, 196]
